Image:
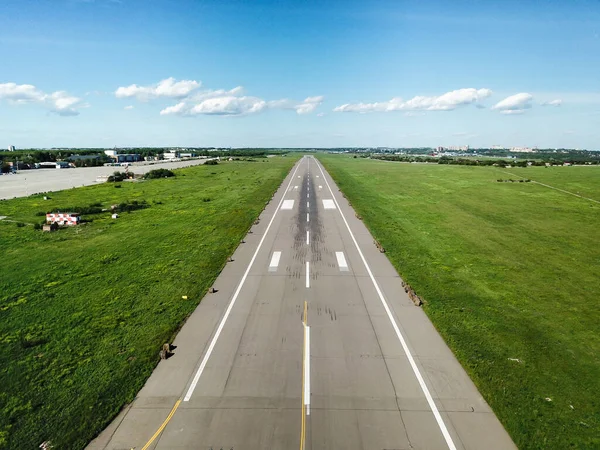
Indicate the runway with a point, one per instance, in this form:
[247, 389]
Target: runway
[310, 342]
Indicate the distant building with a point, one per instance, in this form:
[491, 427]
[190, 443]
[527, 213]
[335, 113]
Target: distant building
[53, 165]
[522, 150]
[171, 154]
[122, 157]
[11, 148]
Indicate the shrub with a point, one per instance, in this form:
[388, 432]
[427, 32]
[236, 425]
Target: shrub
[159, 173]
[117, 176]
[212, 162]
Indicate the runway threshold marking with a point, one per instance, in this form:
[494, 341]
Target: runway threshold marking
[328, 203]
[162, 427]
[287, 204]
[274, 261]
[213, 342]
[411, 360]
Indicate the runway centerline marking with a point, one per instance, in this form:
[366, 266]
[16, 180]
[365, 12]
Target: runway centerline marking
[307, 237]
[307, 274]
[307, 217]
[307, 205]
[410, 358]
[274, 261]
[213, 342]
[303, 394]
[307, 369]
[341, 260]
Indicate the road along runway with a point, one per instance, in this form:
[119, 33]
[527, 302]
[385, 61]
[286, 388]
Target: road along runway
[310, 342]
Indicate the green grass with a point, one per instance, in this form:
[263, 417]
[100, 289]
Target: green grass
[84, 311]
[580, 180]
[508, 270]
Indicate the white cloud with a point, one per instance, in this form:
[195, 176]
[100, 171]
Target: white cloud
[320, 114]
[557, 102]
[445, 102]
[309, 104]
[229, 106]
[233, 103]
[515, 104]
[129, 107]
[165, 88]
[226, 105]
[223, 102]
[59, 102]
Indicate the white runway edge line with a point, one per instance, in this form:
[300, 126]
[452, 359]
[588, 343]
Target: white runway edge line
[307, 274]
[213, 342]
[274, 261]
[411, 360]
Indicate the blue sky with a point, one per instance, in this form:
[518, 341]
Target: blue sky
[104, 73]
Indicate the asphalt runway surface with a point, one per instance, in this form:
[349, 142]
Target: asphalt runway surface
[35, 181]
[310, 342]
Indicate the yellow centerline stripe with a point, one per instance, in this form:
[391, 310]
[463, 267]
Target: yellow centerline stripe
[162, 427]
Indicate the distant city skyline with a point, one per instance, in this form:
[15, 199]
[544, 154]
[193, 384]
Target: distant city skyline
[100, 73]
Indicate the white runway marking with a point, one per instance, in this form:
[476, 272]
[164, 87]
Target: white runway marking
[307, 217]
[298, 176]
[307, 237]
[307, 205]
[307, 372]
[320, 187]
[307, 274]
[274, 261]
[328, 203]
[287, 204]
[295, 187]
[213, 342]
[410, 358]
[341, 260]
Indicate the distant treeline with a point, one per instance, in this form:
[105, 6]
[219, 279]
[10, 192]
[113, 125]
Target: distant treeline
[478, 162]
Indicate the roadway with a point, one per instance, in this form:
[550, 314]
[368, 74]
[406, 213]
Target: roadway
[310, 342]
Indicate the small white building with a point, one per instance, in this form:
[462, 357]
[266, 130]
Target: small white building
[11, 148]
[171, 154]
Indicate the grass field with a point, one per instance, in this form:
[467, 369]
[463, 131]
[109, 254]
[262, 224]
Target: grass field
[84, 311]
[510, 275]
